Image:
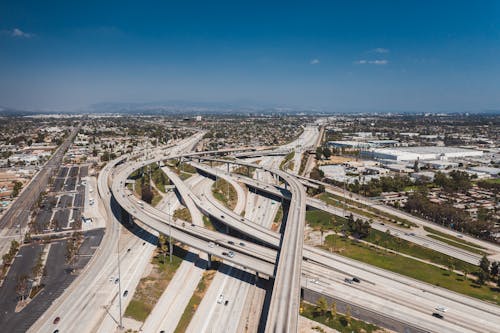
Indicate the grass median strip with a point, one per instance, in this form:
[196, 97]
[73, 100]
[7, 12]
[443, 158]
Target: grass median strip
[456, 244]
[454, 239]
[195, 301]
[411, 268]
[151, 287]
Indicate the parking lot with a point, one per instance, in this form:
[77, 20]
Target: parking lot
[58, 276]
[62, 208]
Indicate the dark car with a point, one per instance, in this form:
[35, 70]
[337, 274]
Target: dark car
[231, 242]
[355, 279]
[437, 315]
[226, 302]
[57, 320]
[125, 293]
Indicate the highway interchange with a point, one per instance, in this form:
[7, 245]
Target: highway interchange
[381, 292]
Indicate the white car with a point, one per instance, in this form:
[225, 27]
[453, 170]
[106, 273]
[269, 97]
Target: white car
[220, 299]
[441, 308]
[211, 244]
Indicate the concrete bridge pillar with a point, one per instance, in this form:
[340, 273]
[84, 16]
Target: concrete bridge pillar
[209, 260]
[227, 167]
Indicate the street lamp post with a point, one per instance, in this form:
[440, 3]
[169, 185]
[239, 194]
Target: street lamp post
[170, 231]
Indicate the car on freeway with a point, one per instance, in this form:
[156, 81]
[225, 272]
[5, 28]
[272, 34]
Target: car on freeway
[226, 302]
[437, 315]
[211, 244]
[348, 280]
[230, 254]
[220, 299]
[222, 216]
[355, 279]
[57, 320]
[242, 244]
[116, 280]
[224, 253]
[230, 242]
[441, 308]
[125, 293]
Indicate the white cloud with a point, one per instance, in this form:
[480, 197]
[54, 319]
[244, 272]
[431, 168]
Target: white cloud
[18, 33]
[314, 62]
[372, 62]
[380, 50]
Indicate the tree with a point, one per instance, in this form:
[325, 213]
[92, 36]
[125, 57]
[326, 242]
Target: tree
[415, 166]
[481, 278]
[319, 153]
[17, 188]
[22, 287]
[348, 315]
[333, 310]
[485, 265]
[162, 244]
[322, 305]
[494, 269]
[327, 153]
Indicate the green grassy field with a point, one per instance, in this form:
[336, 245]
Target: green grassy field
[221, 189]
[319, 219]
[339, 322]
[410, 267]
[400, 245]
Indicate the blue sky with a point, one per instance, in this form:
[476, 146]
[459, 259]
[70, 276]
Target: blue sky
[333, 55]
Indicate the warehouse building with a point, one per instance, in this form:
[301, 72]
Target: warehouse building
[424, 153]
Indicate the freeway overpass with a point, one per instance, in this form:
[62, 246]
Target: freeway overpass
[318, 258]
